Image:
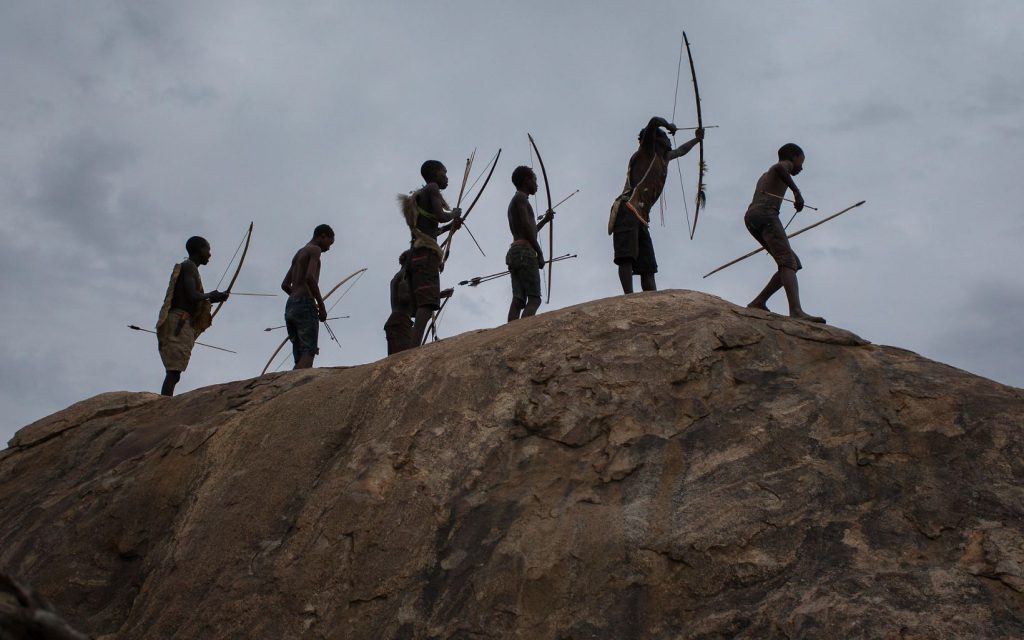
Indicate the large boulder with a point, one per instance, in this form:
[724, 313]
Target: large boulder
[662, 465]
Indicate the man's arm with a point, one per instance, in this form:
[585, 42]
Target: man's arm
[783, 171]
[684, 148]
[524, 221]
[190, 284]
[313, 278]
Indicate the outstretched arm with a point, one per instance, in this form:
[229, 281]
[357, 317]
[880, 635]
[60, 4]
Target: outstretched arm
[684, 148]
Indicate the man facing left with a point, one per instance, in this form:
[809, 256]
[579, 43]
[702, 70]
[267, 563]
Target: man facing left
[185, 313]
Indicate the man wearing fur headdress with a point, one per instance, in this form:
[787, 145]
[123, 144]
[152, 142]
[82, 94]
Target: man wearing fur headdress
[425, 210]
[185, 313]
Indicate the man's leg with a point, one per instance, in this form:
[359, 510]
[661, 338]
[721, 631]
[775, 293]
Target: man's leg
[761, 301]
[788, 277]
[170, 380]
[515, 309]
[532, 304]
[423, 315]
[626, 275]
[307, 333]
[647, 282]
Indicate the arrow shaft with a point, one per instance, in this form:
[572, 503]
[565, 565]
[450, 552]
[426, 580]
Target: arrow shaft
[433, 322]
[792, 235]
[494, 276]
[470, 232]
[202, 344]
[806, 206]
[284, 325]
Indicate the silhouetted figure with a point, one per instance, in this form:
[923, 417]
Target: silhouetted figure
[631, 211]
[525, 258]
[305, 308]
[185, 313]
[762, 221]
[398, 328]
[424, 211]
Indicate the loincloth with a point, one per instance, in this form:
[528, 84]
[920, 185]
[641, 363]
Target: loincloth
[176, 346]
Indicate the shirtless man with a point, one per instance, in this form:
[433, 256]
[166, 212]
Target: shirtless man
[305, 307]
[185, 313]
[631, 212]
[424, 212]
[762, 221]
[398, 328]
[525, 258]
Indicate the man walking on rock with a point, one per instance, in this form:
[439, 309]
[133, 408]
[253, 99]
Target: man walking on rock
[631, 211]
[305, 308]
[185, 313]
[762, 221]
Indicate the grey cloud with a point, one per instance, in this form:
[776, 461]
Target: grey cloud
[77, 182]
[987, 333]
[871, 115]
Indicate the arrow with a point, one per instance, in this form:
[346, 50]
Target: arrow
[539, 218]
[433, 322]
[202, 344]
[494, 276]
[806, 206]
[792, 235]
[284, 325]
[470, 232]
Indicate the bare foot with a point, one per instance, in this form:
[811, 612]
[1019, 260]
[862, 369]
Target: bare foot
[762, 307]
[800, 315]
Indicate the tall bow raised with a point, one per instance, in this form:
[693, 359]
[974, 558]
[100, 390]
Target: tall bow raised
[701, 198]
[551, 221]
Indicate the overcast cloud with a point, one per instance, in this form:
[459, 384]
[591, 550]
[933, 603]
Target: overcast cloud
[129, 126]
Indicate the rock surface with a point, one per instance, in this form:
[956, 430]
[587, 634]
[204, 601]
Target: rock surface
[663, 465]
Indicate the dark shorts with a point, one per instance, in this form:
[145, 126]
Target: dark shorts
[632, 242]
[767, 229]
[424, 271]
[525, 275]
[398, 332]
[303, 322]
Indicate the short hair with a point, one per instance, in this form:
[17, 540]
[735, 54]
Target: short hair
[430, 168]
[789, 151]
[520, 175]
[195, 243]
[323, 230]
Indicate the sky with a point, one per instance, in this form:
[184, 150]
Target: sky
[130, 125]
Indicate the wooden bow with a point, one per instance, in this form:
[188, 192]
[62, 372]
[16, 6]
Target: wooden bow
[447, 246]
[333, 289]
[701, 198]
[238, 270]
[551, 222]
